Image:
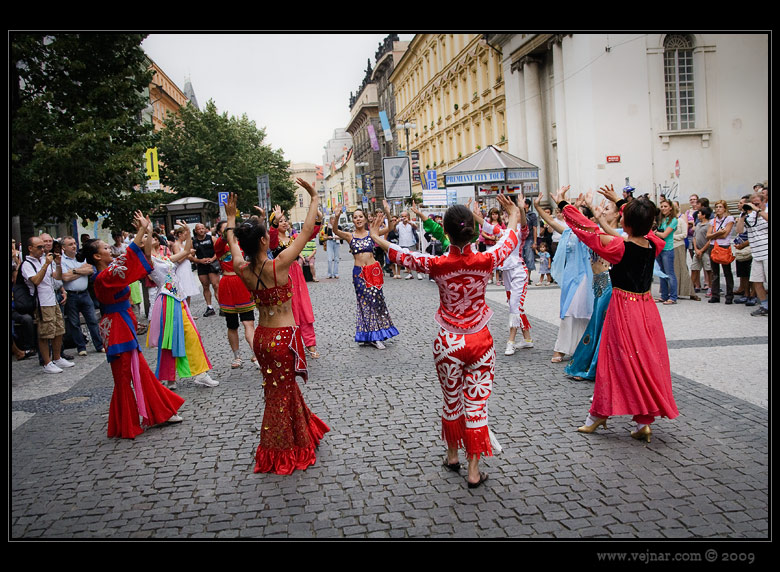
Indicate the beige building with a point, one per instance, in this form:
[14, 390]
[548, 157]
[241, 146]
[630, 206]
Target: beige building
[310, 173]
[451, 87]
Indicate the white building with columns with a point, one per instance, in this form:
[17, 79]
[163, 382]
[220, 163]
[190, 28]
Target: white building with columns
[675, 114]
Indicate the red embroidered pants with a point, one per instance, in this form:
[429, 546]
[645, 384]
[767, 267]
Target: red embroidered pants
[465, 365]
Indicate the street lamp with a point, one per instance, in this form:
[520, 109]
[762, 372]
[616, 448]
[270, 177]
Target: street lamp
[406, 127]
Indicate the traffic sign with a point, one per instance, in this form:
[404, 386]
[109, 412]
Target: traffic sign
[222, 198]
[397, 176]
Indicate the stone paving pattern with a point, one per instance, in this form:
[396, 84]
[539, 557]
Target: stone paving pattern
[378, 472]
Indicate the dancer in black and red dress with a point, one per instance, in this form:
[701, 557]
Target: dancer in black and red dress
[633, 376]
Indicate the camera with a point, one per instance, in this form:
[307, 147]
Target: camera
[747, 208]
[56, 247]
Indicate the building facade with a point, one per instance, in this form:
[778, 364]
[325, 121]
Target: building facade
[451, 88]
[673, 114]
[310, 173]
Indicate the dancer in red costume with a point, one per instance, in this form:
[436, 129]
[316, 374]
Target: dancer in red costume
[137, 392]
[463, 350]
[633, 376]
[301, 302]
[290, 432]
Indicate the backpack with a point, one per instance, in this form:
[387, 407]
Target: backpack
[24, 302]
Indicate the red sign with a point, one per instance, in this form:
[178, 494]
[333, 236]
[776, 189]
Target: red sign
[613, 158]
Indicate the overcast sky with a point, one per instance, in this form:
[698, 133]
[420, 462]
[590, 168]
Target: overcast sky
[296, 86]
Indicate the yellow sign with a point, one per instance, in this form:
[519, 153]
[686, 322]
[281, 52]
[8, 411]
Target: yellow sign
[152, 167]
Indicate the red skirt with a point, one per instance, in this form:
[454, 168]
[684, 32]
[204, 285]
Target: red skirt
[154, 402]
[290, 432]
[633, 376]
[234, 298]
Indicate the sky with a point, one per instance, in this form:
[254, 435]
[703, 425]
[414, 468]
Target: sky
[295, 86]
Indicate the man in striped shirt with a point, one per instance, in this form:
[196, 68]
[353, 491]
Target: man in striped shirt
[756, 221]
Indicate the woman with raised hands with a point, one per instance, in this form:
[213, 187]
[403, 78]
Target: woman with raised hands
[280, 239]
[373, 324]
[633, 376]
[571, 269]
[290, 432]
[172, 328]
[463, 349]
[139, 399]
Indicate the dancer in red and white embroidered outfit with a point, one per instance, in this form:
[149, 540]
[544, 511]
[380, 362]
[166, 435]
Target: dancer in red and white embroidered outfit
[515, 282]
[633, 376]
[463, 350]
[290, 431]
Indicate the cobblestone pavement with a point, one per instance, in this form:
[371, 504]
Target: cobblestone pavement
[378, 474]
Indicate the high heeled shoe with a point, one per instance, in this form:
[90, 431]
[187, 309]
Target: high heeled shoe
[643, 433]
[593, 426]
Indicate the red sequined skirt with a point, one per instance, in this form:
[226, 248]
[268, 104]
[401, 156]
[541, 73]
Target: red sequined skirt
[290, 432]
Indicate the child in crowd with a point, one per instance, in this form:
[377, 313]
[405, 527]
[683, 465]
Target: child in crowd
[544, 265]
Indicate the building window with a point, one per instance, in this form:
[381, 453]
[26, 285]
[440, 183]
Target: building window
[678, 78]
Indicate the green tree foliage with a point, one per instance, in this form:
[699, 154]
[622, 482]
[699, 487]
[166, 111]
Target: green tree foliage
[77, 140]
[204, 152]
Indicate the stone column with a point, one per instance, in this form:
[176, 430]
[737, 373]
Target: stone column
[534, 121]
[560, 113]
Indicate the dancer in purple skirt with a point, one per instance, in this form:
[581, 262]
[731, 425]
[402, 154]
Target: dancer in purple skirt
[373, 323]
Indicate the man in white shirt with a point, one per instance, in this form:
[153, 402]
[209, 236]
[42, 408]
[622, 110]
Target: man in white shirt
[75, 276]
[755, 219]
[406, 238]
[40, 273]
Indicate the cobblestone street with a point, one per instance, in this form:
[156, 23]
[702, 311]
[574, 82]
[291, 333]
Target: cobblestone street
[378, 472]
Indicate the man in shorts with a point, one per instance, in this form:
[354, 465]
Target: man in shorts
[207, 264]
[40, 273]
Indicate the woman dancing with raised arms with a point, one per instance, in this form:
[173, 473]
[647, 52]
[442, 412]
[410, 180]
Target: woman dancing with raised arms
[290, 431]
[633, 376]
[373, 323]
[463, 350]
[137, 392]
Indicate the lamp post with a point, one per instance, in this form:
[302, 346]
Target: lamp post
[406, 127]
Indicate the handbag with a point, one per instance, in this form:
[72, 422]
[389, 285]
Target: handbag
[721, 254]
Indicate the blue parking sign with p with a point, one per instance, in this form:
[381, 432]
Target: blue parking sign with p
[431, 179]
[222, 198]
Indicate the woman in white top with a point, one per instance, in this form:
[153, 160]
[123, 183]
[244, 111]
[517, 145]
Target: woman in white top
[189, 285]
[720, 233]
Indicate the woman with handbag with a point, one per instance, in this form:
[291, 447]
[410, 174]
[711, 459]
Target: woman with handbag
[721, 255]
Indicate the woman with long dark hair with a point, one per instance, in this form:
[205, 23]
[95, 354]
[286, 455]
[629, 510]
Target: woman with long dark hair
[463, 349]
[372, 324]
[137, 392]
[290, 432]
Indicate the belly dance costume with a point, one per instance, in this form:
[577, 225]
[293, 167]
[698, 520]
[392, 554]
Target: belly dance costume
[463, 350]
[633, 376]
[290, 432]
[301, 301]
[373, 321]
[137, 392]
[172, 329]
[516, 282]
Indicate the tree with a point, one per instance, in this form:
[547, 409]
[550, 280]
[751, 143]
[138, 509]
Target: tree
[204, 152]
[77, 141]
